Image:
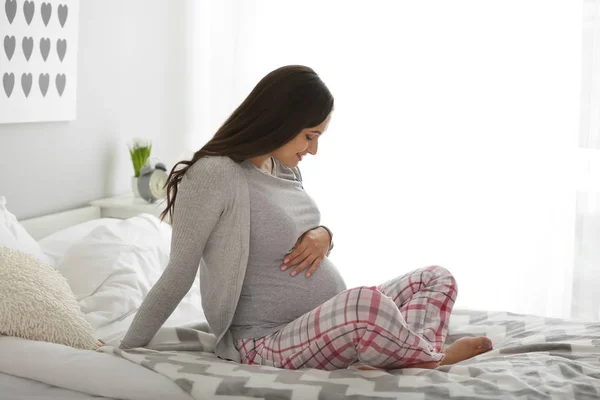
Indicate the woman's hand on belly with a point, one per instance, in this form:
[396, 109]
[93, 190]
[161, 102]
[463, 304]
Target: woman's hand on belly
[309, 251]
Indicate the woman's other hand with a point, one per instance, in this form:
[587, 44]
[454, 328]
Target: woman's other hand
[309, 251]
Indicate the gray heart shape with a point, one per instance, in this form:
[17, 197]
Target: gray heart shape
[61, 48]
[63, 11]
[44, 82]
[11, 10]
[46, 12]
[26, 81]
[9, 46]
[28, 10]
[45, 47]
[27, 45]
[8, 81]
[61, 81]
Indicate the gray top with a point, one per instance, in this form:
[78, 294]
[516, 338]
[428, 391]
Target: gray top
[211, 231]
[280, 212]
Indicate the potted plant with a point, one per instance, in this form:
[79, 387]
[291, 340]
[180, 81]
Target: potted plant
[139, 150]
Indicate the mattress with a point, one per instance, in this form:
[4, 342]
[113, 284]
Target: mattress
[533, 358]
[15, 388]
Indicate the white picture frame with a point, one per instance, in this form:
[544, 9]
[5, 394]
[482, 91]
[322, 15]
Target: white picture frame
[38, 60]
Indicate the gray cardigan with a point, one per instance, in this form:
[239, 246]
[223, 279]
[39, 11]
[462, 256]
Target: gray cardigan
[211, 229]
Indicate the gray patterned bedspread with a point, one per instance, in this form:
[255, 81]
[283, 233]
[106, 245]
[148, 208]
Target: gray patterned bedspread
[534, 358]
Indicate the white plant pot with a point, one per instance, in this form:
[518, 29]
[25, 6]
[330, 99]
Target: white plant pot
[134, 186]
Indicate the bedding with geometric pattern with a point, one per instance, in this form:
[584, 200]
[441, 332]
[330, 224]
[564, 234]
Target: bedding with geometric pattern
[533, 358]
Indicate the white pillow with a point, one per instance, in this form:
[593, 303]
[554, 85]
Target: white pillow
[112, 269]
[13, 235]
[37, 303]
[56, 245]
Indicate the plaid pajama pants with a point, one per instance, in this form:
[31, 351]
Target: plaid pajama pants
[402, 322]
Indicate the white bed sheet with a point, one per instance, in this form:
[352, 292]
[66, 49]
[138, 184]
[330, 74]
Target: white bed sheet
[39, 370]
[88, 372]
[79, 374]
[62, 372]
[55, 367]
[15, 388]
[59, 370]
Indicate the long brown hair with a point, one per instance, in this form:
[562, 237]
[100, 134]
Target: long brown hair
[284, 102]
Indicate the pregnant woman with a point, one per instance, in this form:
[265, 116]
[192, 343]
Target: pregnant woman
[270, 294]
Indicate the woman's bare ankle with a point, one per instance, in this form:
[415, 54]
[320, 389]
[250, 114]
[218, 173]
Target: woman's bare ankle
[425, 365]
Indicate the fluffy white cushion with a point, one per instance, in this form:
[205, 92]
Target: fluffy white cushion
[14, 235]
[37, 303]
[112, 269]
[56, 245]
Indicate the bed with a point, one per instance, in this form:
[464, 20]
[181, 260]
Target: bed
[533, 358]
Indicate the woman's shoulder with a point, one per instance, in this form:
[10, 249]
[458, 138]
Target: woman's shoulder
[214, 174]
[219, 167]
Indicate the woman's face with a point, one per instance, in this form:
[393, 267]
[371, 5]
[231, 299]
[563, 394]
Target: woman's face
[307, 141]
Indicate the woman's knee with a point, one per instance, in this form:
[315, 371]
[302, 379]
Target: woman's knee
[368, 301]
[440, 273]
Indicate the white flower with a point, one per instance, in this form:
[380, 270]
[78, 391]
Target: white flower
[139, 143]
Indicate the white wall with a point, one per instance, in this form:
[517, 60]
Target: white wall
[452, 141]
[132, 76]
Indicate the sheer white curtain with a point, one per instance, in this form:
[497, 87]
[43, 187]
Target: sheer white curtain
[454, 139]
[586, 296]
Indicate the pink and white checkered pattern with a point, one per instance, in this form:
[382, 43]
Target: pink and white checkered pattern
[402, 322]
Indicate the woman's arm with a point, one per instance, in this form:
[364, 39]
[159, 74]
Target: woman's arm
[199, 203]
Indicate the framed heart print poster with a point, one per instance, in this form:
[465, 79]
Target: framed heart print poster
[38, 60]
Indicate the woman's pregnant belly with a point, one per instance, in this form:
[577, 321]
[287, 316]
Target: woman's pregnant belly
[271, 298]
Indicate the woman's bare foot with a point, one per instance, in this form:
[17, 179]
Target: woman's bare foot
[369, 368]
[465, 348]
[423, 365]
